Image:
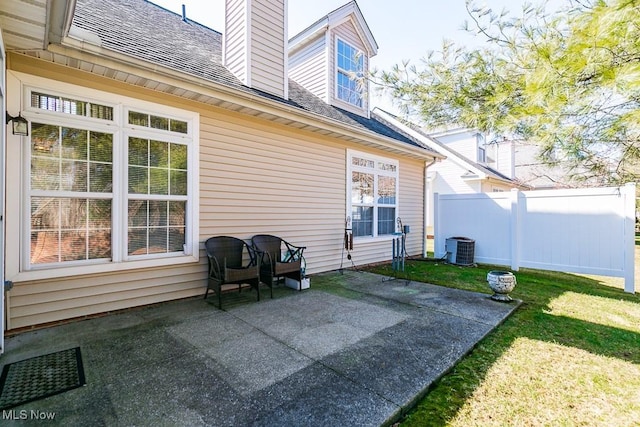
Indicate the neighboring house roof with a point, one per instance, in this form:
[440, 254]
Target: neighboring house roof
[438, 133]
[145, 31]
[411, 129]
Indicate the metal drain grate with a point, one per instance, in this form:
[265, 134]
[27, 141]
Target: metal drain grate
[39, 377]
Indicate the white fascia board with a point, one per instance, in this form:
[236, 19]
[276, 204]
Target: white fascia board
[335, 18]
[470, 177]
[310, 33]
[426, 141]
[351, 11]
[110, 59]
[455, 131]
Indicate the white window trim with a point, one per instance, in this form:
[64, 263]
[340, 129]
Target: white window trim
[336, 71]
[351, 168]
[18, 268]
[482, 154]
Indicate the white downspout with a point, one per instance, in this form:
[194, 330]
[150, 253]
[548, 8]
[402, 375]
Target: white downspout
[426, 206]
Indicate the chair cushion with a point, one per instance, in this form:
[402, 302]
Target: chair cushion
[287, 267]
[237, 274]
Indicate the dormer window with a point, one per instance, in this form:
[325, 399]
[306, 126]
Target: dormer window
[482, 155]
[482, 152]
[350, 68]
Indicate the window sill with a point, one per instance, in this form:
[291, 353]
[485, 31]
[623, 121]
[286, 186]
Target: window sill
[361, 111]
[54, 273]
[369, 239]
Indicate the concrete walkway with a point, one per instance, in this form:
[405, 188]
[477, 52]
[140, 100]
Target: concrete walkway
[308, 358]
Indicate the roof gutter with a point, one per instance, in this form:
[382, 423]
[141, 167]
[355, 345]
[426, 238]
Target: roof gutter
[508, 182]
[59, 17]
[85, 51]
[310, 33]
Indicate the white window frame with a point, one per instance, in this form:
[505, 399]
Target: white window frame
[339, 70]
[482, 148]
[376, 172]
[482, 154]
[121, 130]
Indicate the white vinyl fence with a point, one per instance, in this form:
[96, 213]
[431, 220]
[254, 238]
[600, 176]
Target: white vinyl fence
[590, 231]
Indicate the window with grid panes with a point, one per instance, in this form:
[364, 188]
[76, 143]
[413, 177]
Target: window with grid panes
[350, 68]
[74, 150]
[373, 194]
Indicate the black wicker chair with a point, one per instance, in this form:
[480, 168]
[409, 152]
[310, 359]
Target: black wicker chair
[278, 258]
[231, 261]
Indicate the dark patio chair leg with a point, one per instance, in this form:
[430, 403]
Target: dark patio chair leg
[218, 293]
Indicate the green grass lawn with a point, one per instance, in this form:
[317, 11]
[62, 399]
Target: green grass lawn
[569, 356]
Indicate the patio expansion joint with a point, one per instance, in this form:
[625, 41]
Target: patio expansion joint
[470, 319]
[320, 362]
[517, 303]
[332, 347]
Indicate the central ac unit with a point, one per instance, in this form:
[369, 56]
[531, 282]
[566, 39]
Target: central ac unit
[460, 250]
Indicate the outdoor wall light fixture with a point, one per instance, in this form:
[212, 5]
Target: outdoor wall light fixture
[20, 125]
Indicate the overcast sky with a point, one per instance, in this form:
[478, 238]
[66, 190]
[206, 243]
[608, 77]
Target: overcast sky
[404, 29]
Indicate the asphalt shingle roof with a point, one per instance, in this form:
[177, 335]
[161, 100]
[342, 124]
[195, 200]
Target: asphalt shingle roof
[146, 31]
[486, 169]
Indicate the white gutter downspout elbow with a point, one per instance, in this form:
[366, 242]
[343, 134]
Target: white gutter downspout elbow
[425, 196]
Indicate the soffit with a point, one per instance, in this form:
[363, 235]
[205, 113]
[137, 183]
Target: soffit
[23, 24]
[155, 80]
[26, 33]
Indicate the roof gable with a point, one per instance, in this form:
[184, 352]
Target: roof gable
[125, 31]
[349, 11]
[475, 169]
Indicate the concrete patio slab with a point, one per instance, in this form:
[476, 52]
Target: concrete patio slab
[304, 358]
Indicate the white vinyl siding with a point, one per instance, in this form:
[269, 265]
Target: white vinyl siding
[259, 178]
[505, 156]
[235, 43]
[411, 193]
[245, 193]
[268, 46]
[24, 24]
[255, 177]
[255, 44]
[450, 178]
[43, 301]
[308, 68]
[463, 143]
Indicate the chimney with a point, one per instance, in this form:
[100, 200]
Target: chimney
[255, 44]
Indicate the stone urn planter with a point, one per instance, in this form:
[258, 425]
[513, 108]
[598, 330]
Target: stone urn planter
[501, 283]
